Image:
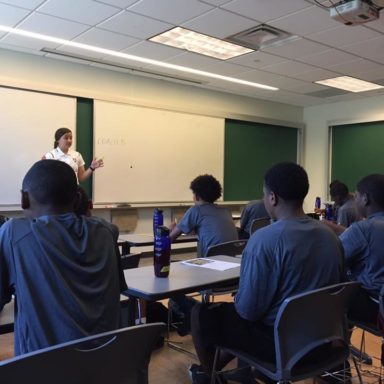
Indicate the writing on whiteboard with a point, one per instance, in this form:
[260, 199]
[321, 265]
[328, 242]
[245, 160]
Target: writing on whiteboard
[111, 141]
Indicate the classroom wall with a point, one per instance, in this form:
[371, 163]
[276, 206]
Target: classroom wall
[23, 70]
[316, 139]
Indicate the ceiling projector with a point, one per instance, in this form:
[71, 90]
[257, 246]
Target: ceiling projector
[354, 12]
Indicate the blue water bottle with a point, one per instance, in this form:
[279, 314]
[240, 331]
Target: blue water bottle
[318, 202]
[158, 219]
[162, 252]
[328, 212]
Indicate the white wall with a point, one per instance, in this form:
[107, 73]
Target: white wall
[316, 138]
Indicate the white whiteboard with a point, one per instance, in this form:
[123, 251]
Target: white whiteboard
[28, 123]
[152, 155]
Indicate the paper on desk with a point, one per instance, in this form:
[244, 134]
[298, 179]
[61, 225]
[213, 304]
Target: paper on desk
[211, 264]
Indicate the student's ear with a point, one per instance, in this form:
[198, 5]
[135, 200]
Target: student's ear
[366, 199]
[25, 202]
[273, 198]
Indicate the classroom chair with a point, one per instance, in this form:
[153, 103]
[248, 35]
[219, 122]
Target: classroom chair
[259, 223]
[119, 357]
[230, 248]
[310, 334]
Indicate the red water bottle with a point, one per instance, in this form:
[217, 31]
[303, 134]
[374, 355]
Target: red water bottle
[162, 252]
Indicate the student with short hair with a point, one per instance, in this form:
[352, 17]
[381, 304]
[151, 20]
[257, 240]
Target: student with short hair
[213, 224]
[61, 268]
[294, 254]
[346, 212]
[255, 209]
[363, 244]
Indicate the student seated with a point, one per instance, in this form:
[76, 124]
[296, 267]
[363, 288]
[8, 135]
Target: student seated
[213, 224]
[345, 207]
[292, 255]
[61, 268]
[363, 244]
[253, 210]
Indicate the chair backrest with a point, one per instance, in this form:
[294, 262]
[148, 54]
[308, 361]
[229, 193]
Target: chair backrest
[308, 321]
[119, 357]
[259, 223]
[130, 260]
[229, 248]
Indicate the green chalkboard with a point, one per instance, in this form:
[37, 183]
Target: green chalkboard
[357, 150]
[250, 149]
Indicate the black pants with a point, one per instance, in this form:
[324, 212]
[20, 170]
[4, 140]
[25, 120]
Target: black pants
[219, 324]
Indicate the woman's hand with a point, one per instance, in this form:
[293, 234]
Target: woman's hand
[97, 163]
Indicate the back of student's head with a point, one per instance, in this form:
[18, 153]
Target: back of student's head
[51, 182]
[83, 204]
[288, 181]
[373, 187]
[338, 189]
[206, 187]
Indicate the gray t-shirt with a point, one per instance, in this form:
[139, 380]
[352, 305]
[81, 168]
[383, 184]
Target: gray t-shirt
[347, 213]
[213, 225]
[253, 210]
[283, 259]
[363, 244]
[63, 272]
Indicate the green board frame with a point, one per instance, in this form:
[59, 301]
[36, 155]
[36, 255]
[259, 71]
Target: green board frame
[250, 149]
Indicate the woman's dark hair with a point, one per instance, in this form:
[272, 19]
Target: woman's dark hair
[338, 189]
[58, 134]
[206, 187]
[373, 187]
[287, 180]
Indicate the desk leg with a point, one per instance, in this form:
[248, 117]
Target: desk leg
[125, 248]
[128, 312]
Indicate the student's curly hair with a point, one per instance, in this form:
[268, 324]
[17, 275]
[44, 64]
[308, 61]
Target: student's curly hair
[206, 187]
[287, 180]
[373, 186]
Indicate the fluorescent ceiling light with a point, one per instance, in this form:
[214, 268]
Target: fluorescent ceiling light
[349, 84]
[139, 59]
[196, 42]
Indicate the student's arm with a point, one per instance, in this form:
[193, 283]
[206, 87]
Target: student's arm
[83, 174]
[337, 228]
[175, 233]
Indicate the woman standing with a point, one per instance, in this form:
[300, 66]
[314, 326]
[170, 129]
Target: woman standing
[62, 152]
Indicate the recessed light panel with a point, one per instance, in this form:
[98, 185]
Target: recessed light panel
[349, 84]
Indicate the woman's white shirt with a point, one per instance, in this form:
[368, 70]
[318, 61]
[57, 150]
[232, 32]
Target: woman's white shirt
[72, 158]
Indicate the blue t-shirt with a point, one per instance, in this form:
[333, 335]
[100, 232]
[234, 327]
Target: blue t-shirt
[363, 244]
[283, 259]
[253, 210]
[347, 213]
[213, 225]
[63, 272]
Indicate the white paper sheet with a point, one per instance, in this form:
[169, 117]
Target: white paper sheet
[211, 264]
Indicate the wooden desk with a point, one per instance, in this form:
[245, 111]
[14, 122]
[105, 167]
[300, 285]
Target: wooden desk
[182, 279]
[133, 240]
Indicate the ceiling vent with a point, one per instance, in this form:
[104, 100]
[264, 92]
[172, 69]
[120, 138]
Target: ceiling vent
[260, 37]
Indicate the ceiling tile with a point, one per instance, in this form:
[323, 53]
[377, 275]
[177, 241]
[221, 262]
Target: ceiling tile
[28, 4]
[353, 68]
[84, 11]
[307, 88]
[316, 74]
[296, 49]
[310, 20]
[343, 35]
[10, 16]
[327, 58]
[265, 10]
[152, 50]
[118, 3]
[215, 2]
[182, 10]
[219, 23]
[53, 26]
[288, 68]
[367, 49]
[134, 25]
[257, 59]
[105, 39]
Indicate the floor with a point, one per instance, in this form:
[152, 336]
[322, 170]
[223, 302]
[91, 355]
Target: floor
[171, 366]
